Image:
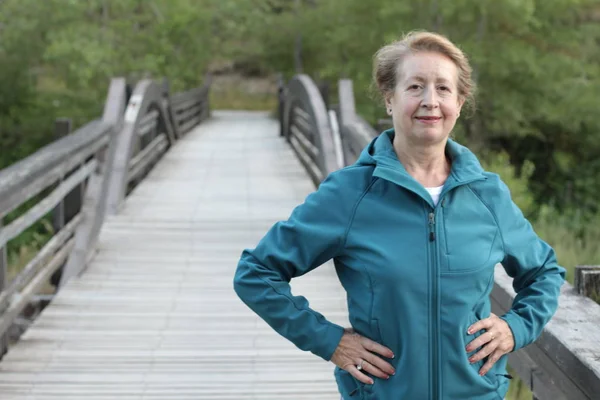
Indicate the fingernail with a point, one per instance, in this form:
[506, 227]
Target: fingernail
[371, 382]
[393, 356]
[387, 377]
[468, 349]
[471, 360]
[469, 331]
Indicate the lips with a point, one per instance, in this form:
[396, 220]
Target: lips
[429, 118]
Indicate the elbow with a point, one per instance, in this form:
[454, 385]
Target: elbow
[239, 281]
[244, 281]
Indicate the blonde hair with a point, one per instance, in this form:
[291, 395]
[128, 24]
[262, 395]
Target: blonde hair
[387, 60]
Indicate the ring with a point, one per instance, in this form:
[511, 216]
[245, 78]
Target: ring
[359, 366]
[492, 335]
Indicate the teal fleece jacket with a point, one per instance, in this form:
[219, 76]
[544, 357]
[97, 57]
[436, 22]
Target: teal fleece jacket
[416, 275]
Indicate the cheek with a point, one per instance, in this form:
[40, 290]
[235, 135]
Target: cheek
[408, 109]
[450, 111]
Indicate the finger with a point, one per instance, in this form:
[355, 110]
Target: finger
[480, 341]
[485, 351]
[490, 362]
[485, 323]
[379, 363]
[377, 348]
[359, 375]
[370, 368]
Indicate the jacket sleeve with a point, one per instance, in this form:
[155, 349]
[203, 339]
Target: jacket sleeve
[313, 234]
[532, 264]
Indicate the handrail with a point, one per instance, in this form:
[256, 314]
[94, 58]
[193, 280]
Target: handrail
[190, 108]
[306, 126]
[146, 98]
[355, 132]
[94, 208]
[564, 362]
[84, 153]
[106, 156]
[30, 176]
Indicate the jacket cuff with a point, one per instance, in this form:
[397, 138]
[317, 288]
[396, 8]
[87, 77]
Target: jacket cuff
[516, 326]
[328, 341]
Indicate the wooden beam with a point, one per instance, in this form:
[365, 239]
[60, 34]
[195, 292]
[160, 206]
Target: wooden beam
[566, 359]
[39, 210]
[32, 288]
[22, 188]
[3, 281]
[146, 157]
[587, 281]
[28, 177]
[32, 268]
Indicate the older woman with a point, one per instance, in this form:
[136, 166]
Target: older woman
[415, 229]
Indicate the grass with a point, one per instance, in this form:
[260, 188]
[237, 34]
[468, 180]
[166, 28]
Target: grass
[235, 92]
[575, 241]
[236, 100]
[517, 390]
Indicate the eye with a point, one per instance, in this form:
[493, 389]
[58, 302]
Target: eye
[414, 87]
[444, 88]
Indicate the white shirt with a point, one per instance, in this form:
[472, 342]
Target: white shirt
[435, 192]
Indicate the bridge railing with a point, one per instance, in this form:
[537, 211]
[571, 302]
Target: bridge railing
[564, 362]
[108, 157]
[305, 124]
[355, 132]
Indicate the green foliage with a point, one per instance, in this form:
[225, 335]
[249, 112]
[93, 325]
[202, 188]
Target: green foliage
[573, 234]
[58, 57]
[535, 64]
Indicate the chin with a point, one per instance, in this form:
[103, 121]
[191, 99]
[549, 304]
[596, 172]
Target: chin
[430, 137]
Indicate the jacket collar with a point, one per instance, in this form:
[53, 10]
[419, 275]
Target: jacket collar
[465, 166]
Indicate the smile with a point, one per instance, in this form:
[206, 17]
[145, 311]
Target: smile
[428, 120]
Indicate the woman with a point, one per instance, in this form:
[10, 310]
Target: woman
[415, 229]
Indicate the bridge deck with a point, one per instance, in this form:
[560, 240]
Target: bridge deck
[155, 315]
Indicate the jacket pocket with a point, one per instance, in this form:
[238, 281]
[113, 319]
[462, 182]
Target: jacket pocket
[351, 388]
[479, 364]
[470, 233]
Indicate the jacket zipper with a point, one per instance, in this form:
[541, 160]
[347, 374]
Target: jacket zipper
[434, 338]
[433, 252]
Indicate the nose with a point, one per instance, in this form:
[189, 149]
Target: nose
[430, 100]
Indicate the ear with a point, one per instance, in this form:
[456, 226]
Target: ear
[388, 105]
[461, 102]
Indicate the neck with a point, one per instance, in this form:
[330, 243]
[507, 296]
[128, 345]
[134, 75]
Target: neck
[427, 164]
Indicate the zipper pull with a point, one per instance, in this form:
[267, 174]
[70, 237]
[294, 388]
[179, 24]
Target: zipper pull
[431, 227]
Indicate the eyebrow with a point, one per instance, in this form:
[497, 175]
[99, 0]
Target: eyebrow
[420, 78]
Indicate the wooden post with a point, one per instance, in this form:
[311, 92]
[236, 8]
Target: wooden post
[96, 200]
[3, 282]
[587, 281]
[62, 127]
[281, 102]
[71, 204]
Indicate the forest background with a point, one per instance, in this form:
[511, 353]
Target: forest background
[536, 63]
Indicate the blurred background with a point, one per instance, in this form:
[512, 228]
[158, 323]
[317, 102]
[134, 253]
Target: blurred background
[536, 63]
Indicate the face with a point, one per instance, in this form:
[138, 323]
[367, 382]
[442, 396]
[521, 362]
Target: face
[425, 103]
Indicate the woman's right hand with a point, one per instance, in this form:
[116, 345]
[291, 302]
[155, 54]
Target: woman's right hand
[355, 350]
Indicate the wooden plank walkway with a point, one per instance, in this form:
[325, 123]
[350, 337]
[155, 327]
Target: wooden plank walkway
[155, 315]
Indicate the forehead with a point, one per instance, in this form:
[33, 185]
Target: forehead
[427, 66]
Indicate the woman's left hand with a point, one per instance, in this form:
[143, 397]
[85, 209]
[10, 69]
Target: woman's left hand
[497, 341]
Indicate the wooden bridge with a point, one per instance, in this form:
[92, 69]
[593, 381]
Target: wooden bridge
[153, 204]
